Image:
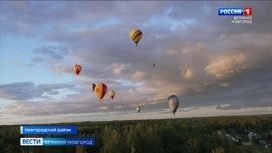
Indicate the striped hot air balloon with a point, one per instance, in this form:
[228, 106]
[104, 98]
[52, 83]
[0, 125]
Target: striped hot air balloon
[100, 90]
[136, 35]
[173, 103]
[77, 69]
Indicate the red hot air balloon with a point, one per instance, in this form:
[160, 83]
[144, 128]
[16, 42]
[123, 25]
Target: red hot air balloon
[100, 90]
[77, 69]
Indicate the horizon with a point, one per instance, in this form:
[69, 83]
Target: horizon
[133, 116]
[212, 65]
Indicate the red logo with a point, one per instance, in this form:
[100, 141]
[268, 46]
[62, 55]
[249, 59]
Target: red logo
[248, 11]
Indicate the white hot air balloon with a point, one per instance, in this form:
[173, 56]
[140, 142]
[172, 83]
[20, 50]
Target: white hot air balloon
[138, 109]
[112, 94]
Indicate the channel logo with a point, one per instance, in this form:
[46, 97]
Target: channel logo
[235, 11]
[57, 141]
[31, 141]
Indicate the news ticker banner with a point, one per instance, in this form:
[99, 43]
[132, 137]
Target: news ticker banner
[48, 129]
[57, 142]
[240, 15]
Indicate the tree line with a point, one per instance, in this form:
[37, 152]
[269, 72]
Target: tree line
[190, 135]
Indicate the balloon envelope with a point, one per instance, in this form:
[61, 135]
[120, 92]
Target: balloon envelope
[173, 103]
[112, 94]
[77, 69]
[93, 86]
[136, 35]
[138, 109]
[100, 90]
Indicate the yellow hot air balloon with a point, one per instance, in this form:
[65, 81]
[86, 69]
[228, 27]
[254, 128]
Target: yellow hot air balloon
[100, 90]
[112, 94]
[136, 35]
[77, 69]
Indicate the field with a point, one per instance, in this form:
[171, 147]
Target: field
[190, 135]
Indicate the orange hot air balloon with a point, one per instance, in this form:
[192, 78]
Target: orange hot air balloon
[112, 94]
[77, 69]
[100, 90]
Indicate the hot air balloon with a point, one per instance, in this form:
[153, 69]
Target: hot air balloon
[173, 103]
[136, 35]
[153, 65]
[77, 69]
[93, 87]
[100, 90]
[112, 94]
[138, 109]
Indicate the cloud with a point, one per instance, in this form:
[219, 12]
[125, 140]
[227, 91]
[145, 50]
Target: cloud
[200, 57]
[187, 74]
[52, 52]
[160, 36]
[131, 115]
[224, 84]
[103, 107]
[51, 55]
[177, 48]
[228, 65]
[117, 68]
[29, 90]
[137, 76]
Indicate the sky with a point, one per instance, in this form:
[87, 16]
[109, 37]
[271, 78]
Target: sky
[215, 67]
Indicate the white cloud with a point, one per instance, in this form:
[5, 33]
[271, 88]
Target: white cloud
[188, 74]
[131, 91]
[160, 36]
[227, 65]
[137, 76]
[160, 96]
[186, 47]
[117, 68]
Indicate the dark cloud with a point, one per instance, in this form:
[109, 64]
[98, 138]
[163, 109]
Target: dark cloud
[53, 56]
[55, 53]
[30, 18]
[36, 60]
[29, 90]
